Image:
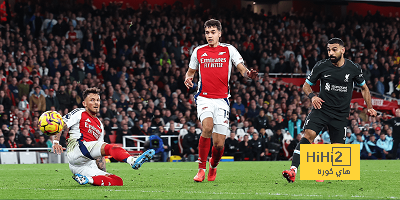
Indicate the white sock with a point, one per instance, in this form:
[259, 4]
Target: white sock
[295, 169]
[131, 159]
[90, 179]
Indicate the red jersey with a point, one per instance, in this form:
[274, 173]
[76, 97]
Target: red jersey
[83, 127]
[214, 65]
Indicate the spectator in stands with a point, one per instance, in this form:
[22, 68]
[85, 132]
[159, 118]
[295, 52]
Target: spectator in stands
[63, 98]
[124, 131]
[23, 105]
[239, 106]
[52, 101]
[245, 148]
[190, 143]
[257, 148]
[384, 145]
[2, 142]
[28, 143]
[25, 134]
[41, 143]
[373, 150]
[11, 143]
[261, 121]
[232, 146]
[350, 137]
[294, 125]
[37, 101]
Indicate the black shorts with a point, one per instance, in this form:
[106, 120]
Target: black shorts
[318, 119]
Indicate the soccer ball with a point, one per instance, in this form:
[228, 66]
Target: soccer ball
[50, 123]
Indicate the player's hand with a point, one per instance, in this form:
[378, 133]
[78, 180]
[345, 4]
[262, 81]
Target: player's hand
[57, 148]
[188, 82]
[372, 112]
[317, 102]
[369, 154]
[252, 74]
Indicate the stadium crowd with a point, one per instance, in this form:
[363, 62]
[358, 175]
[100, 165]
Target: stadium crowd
[51, 52]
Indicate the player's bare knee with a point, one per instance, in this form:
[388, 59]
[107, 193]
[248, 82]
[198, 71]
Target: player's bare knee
[310, 135]
[207, 130]
[218, 146]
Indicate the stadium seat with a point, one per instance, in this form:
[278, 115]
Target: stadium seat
[28, 157]
[54, 158]
[113, 138]
[239, 134]
[8, 158]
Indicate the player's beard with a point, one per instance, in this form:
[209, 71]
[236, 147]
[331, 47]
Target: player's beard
[335, 59]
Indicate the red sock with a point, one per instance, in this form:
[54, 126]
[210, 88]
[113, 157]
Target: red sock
[216, 156]
[111, 180]
[117, 152]
[204, 148]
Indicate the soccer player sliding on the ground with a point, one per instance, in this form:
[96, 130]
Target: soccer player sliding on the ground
[86, 146]
[331, 108]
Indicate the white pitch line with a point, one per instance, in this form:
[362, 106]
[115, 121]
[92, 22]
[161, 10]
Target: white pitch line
[194, 192]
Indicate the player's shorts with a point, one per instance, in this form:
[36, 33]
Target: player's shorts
[318, 119]
[81, 157]
[218, 109]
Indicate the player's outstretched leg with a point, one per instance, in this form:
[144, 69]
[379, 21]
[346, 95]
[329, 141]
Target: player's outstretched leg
[290, 175]
[122, 155]
[101, 180]
[204, 148]
[81, 179]
[146, 156]
[214, 160]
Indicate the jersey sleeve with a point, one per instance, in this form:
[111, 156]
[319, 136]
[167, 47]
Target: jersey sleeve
[236, 58]
[315, 74]
[359, 78]
[103, 132]
[73, 117]
[194, 62]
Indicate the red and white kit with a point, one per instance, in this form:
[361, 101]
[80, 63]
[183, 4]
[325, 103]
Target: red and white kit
[214, 65]
[85, 141]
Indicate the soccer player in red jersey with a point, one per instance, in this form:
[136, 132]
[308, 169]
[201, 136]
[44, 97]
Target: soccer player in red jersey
[86, 146]
[214, 62]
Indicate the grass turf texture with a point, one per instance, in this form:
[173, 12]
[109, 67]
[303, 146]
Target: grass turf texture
[235, 180]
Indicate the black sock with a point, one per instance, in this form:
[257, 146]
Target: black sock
[296, 153]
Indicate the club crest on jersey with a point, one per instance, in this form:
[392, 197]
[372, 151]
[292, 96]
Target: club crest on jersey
[221, 53]
[204, 54]
[327, 87]
[346, 78]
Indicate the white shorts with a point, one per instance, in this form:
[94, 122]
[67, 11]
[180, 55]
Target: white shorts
[218, 109]
[82, 158]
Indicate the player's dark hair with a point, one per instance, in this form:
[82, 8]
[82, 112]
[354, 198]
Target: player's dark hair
[213, 23]
[92, 90]
[336, 41]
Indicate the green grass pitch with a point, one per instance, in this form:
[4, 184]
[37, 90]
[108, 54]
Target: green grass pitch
[235, 180]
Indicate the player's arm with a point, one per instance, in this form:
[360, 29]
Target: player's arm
[315, 100]
[246, 72]
[57, 148]
[189, 77]
[101, 163]
[367, 98]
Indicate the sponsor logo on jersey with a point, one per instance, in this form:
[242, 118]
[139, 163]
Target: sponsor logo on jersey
[212, 62]
[204, 108]
[336, 88]
[221, 53]
[205, 93]
[204, 54]
[326, 76]
[88, 120]
[346, 78]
